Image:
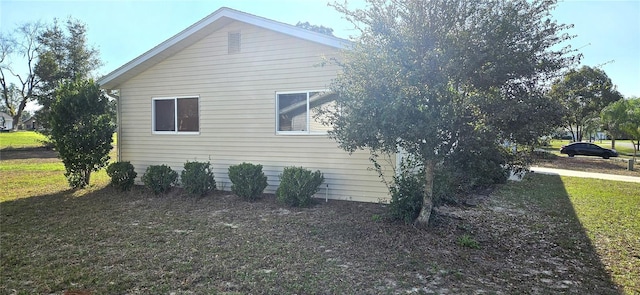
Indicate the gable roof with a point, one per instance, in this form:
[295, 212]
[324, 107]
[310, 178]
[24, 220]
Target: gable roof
[6, 116]
[201, 29]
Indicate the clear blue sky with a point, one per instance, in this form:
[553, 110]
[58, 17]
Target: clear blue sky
[608, 32]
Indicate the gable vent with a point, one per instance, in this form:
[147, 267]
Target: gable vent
[234, 42]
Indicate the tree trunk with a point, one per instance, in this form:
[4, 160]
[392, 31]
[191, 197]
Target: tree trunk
[573, 135]
[87, 177]
[578, 134]
[613, 143]
[16, 118]
[427, 197]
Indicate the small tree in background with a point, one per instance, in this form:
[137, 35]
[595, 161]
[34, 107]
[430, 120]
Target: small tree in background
[38, 56]
[584, 93]
[613, 117]
[21, 44]
[81, 129]
[632, 125]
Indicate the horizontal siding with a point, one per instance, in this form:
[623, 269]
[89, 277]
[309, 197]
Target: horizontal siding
[237, 112]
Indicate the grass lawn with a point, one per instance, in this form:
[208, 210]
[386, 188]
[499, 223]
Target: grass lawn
[27, 139]
[543, 235]
[615, 234]
[21, 139]
[605, 212]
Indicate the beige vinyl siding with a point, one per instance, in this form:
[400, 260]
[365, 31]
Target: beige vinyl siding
[237, 96]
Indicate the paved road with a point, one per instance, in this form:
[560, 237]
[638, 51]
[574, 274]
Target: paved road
[564, 172]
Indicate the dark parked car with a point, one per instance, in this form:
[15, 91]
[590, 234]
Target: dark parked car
[587, 149]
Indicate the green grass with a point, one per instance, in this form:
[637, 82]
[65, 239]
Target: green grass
[596, 213]
[24, 178]
[21, 139]
[27, 178]
[610, 214]
[27, 139]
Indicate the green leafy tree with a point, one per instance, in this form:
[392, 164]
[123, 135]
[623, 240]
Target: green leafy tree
[431, 77]
[631, 126]
[81, 129]
[315, 28]
[65, 54]
[613, 117]
[50, 54]
[583, 93]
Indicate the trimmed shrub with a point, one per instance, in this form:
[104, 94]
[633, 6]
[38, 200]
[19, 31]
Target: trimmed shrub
[247, 180]
[197, 178]
[159, 178]
[122, 175]
[297, 185]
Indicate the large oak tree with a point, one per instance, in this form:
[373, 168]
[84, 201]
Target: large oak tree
[36, 57]
[584, 93]
[437, 77]
[21, 44]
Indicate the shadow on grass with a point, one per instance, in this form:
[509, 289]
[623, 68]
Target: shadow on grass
[54, 243]
[567, 251]
[27, 153]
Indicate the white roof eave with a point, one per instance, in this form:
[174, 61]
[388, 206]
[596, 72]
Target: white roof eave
[199, 30]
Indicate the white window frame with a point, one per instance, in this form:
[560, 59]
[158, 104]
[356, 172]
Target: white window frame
[309, 118]
[175, 117]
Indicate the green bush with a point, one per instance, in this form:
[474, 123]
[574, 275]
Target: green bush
[247, 180]
[406, 194]
[81, 129]
[159, 178]
[122, 175]
[297, 185]
[197, 178]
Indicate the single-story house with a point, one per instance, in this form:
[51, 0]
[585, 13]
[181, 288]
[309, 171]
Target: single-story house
[30, 124]
[6, 121]
[233, 88]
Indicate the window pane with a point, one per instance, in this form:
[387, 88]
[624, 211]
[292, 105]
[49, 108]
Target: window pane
[292, 112]
[188, 114]
[164, 115]
[320, 101]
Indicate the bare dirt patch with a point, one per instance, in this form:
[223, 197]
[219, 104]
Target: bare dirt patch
[132, 243]
[110, 242]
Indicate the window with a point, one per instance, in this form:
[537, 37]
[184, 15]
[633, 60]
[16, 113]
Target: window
[175, 115]
[298, 112]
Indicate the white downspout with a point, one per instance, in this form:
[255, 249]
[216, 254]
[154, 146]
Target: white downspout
[326, 194]
[118, 122]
